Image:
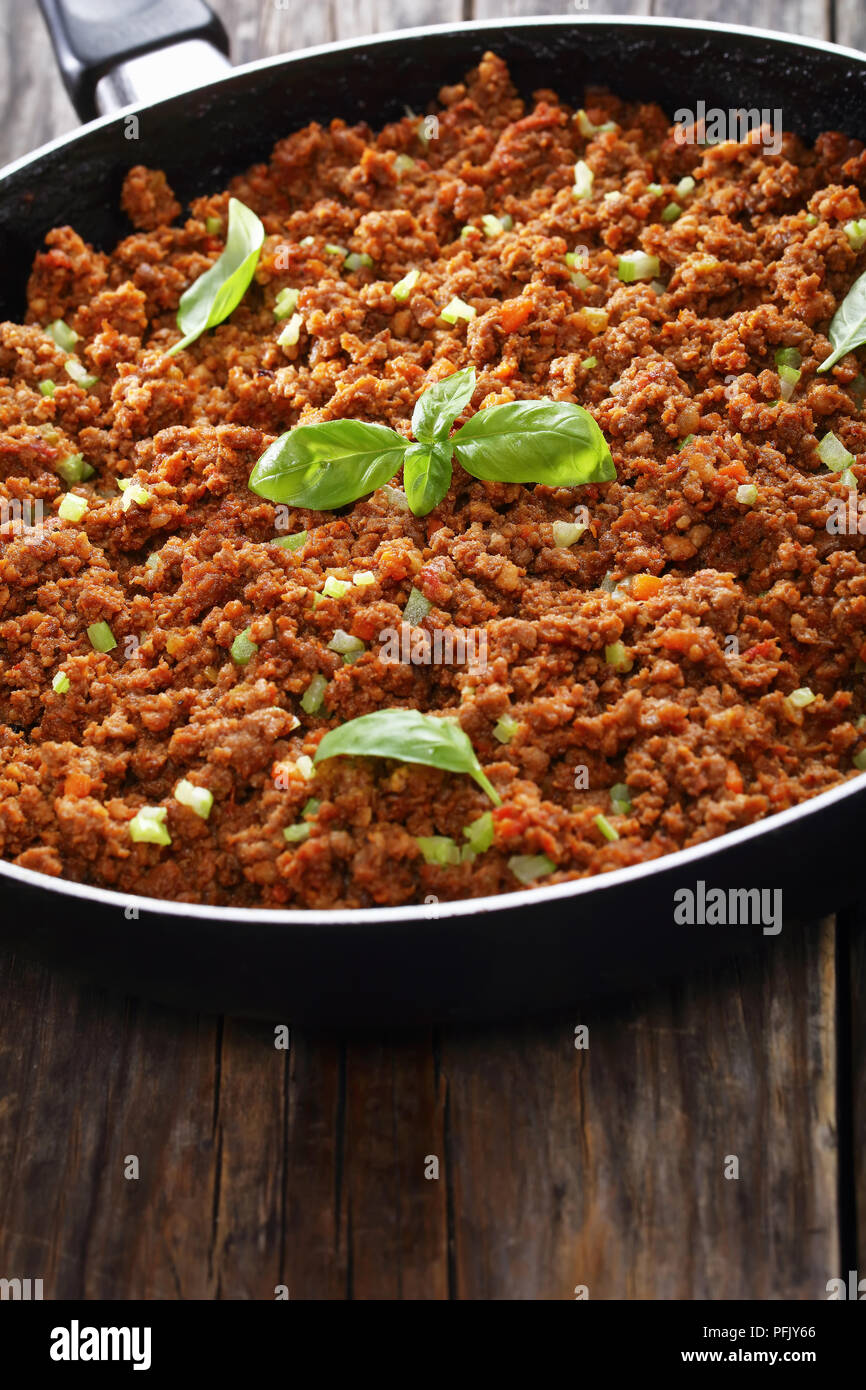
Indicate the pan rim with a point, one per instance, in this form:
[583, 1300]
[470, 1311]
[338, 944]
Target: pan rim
[660, 23]
[703, 853]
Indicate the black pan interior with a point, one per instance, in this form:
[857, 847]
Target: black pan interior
[202, 138]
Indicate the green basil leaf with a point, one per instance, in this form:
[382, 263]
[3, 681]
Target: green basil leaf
[848, 324]
[426, 475]
[437, 409]
[410, 737]
[550, 442]
[325, 466]
[213, 296]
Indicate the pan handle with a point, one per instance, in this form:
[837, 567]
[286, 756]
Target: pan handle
[114, 52]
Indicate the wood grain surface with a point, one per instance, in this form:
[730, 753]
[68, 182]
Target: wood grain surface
[559, 1167]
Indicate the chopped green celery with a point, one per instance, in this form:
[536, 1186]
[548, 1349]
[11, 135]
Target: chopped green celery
[566, 533]
[529, 867]
[243, 648]
[101, 637]
[198, 799]
[479, 833]
[438, 849]
[343, 643]
[62, 334]
[148, 826]
[73, 469]
[285, 303]
[802, 697]
[615, 655]
[292, 542]
[314, 695]
[583, 179]
[637, 265]
[404, 287]
[292, 332]
[602, 823]
[72, 508]
[456, 309]
[833, 453]
[620, 799]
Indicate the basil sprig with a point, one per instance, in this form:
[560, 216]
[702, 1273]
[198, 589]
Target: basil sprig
[547, 442]
[411, 737]
[216, 293]
[426, 475]
[328, 465]
[438, 407]
[848, 324]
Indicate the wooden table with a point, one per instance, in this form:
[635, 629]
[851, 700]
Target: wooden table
[558, 1167]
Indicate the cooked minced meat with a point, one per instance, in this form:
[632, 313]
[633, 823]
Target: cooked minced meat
[756, 598]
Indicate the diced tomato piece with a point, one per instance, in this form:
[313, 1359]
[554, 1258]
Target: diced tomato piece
[509, 822]
[768, 648]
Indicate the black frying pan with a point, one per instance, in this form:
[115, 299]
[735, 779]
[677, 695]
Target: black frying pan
[544, 947]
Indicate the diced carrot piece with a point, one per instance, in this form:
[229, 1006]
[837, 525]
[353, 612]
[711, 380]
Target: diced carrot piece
[676, 639]
[645, 585]
[734, 470]
[733, 778]
[513, 313]
[76, 784]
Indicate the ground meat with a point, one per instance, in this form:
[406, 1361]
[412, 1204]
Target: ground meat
[658, 651]
[147, 199]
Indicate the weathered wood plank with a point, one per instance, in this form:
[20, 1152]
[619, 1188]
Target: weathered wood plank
[495, 9]
[605, 1167]
[87, 1082]
[850, 23]
[395, 1180]
[298, 24]
[243, 21]
[257, 1167]
[34, 106]
[249, 1148]
[810, 17]
[602, 1167]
